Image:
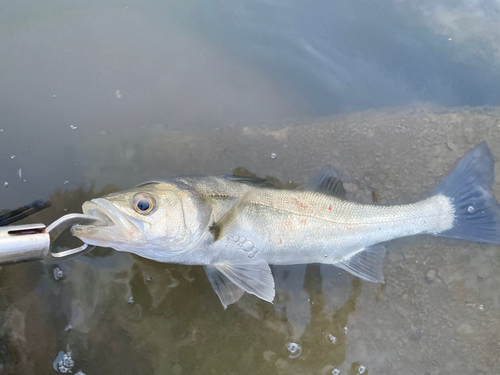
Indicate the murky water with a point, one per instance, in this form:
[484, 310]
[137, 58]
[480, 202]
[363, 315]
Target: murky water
[97, 98]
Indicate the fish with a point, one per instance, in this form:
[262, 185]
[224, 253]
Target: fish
[237, 228]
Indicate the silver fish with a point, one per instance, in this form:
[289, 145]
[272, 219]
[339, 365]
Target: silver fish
[237, 230]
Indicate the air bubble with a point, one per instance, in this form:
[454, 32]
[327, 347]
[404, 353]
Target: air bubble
[332, 339]
[80, 373]
[294, 349]
[236, 238]
[273, 156]
[335, 371]
[5, 184]
[63, 363]
[361, 369]
[242, 239]
[58, 273]
[470, 209]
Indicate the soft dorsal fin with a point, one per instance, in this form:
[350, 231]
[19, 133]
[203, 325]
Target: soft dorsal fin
[227, 291]
[327, 181]
[366, 264]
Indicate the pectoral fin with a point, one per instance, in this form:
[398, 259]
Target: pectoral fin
[227, 291]
[366, 264]
[223, 226]
[253, 277]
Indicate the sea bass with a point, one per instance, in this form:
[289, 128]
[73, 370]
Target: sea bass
[236, 229]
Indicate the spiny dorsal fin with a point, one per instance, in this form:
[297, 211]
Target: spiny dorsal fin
[366, 264]
[327, 181]
[223, 226]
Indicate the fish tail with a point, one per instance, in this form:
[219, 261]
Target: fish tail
[468, 187]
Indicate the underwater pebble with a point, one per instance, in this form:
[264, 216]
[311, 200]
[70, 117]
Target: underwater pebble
[80, 373]
[130, 299]
[177, 369]
[416, 332]
[273, 156]
[430, 275]
[335, 371]
[68, 327]
[483, 271]
[12, 156]
[73, 127]
[332, 339]
[269, 355]
[281, 364]
[66, 182]
[346, 330]
[350, 187]
[361, 369]
[5, 184]
[465, 330]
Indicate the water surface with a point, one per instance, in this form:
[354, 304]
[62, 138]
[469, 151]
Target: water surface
[97, 97]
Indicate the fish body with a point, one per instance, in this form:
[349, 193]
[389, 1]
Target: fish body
[237, 230]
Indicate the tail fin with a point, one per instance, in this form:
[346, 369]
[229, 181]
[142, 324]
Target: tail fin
[477, 212]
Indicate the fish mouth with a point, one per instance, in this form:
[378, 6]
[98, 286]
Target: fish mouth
[93, 208]
[119, 227]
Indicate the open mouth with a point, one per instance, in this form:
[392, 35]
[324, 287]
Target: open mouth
[94, 209]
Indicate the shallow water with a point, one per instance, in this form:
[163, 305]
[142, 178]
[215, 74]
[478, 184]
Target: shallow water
[97, 98]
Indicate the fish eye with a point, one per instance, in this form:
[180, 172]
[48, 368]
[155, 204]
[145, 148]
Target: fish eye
[143, 203]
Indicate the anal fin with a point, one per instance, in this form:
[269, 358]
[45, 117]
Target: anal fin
[366, 264]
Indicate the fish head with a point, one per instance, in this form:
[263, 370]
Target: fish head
[154, 220]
